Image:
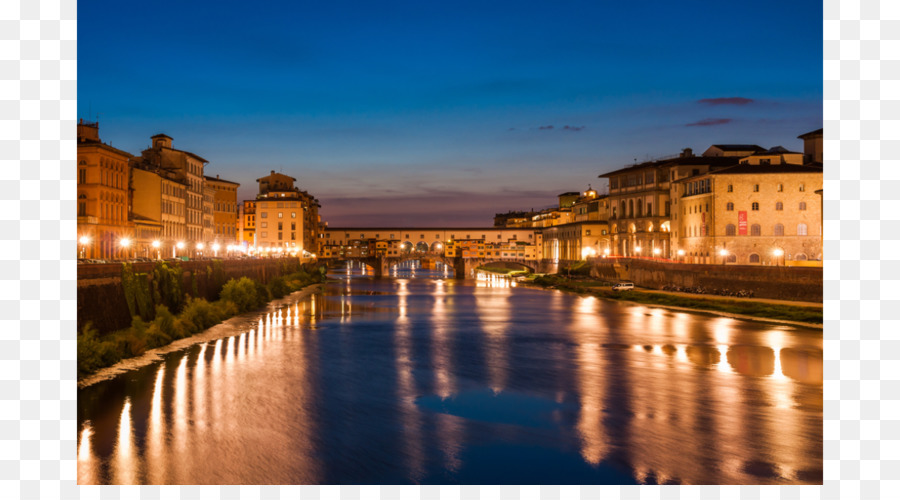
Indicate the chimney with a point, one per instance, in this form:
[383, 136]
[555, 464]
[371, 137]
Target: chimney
[687, 153]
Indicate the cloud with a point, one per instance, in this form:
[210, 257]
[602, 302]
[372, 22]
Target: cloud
[567, 128]
[724, 101]
[709, 122]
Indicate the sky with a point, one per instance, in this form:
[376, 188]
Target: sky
[445, 113]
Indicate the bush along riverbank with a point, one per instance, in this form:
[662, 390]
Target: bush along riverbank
[177, 315]
[759, 309]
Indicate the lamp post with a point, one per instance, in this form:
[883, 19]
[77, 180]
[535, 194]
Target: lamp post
[215, 248]
[724, 254]
[637, 250]
[156, 245]
[656, 252]
[125, 243]
[681, 256]
[179, 246]
[200, 249]
[84, 240]
[778, 254]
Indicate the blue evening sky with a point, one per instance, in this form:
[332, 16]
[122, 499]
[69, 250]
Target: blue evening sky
[440, 113]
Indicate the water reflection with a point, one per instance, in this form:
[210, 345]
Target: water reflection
[438, 381]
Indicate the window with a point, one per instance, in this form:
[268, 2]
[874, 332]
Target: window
[729, 206]
[779, 205]
[729, 230]
[801, 231]
[779, 229]
[82, 209]
[732, 258]
[280, 226]
[756, 188]
[264, 224]
[754, 258]
[730, 188]
[755, 230]
[587, 232]
[802, 205]
[264, 234]
[294, 227]
[264, 215]
[780, 188]
[280, 214]
[649, 209]
[280, 236]
[293, 236]
[293, 215]
[82, 176]
[802, 187]
[755, 206]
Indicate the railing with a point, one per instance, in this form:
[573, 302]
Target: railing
[88, 219]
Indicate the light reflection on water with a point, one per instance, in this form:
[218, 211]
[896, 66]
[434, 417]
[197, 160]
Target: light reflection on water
[431, 380]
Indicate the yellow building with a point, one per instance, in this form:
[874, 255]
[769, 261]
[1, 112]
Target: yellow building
[765, 214]
[286, 217]
[225, 210]
[576, 241]
[104, 221]
[247, 230]
[187, 169]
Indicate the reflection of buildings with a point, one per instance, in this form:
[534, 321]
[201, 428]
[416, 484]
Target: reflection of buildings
[104, 199]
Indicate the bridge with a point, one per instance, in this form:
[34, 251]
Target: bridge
[462, 248]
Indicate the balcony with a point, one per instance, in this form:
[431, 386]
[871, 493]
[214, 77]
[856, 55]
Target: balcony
[88, 219]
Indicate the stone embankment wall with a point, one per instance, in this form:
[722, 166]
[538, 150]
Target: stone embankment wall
[770, 282]
[101, 295]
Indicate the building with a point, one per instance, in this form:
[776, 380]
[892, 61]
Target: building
[225, 210]
[750, 213]
[738, 150]
[247, 216]
[186, 168]
[576, 241]
[812, 146]
[148, 208]
[105, 228]
[286, 217]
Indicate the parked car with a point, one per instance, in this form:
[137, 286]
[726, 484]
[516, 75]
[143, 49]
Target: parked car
[624, 285]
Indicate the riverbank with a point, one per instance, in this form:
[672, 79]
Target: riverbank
[227, 328]
[780, 311]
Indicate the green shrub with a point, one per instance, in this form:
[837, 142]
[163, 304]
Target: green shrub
[198, 315]
[278, 288]
[262, 294]
[242, 293]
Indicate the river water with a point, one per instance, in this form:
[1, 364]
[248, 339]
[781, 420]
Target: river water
[424, 379]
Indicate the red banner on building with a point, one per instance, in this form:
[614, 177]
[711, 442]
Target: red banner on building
[742, 223]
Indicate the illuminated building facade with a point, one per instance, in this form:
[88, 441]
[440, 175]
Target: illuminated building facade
[225, 210]
[103, 197]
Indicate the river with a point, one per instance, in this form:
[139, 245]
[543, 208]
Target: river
[420, 378]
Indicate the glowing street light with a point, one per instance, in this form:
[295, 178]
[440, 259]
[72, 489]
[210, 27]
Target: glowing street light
[778, 253]
[179, 246]
[724, 254]
[125, 243]
[84, 240]
[215, 248]
[156, 245]
[637, 249]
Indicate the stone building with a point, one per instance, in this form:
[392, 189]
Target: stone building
[247, 217]
[576, 241]
[765, 214]
[103, 197]
[812, 146]
[186, 168]
[225, 210]
[286, 217]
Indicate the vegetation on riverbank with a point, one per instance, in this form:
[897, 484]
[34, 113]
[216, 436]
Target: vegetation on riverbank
[712, 303]
[155, 327]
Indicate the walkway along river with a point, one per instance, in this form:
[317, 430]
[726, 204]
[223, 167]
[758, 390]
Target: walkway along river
[423, 379]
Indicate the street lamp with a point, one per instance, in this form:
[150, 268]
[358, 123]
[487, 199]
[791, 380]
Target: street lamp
[724, 254]
[156, 245]
[215, 248]
[637, 249]
[179, 245]
[199, 248]
[778, 253]
[656, 252]
[125, 243]
[84, 240]
[681, 255]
